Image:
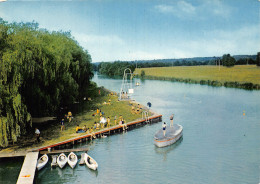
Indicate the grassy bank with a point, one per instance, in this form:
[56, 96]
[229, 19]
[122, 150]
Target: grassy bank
[52, 134]
[240, 76]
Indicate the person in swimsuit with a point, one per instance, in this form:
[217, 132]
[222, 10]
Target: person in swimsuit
[164, 128]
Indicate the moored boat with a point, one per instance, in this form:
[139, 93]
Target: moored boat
[72, 160]
[82, 160]
[54, 160]
[42, 161]
[172, 135]
[62, 160]
[90, 162]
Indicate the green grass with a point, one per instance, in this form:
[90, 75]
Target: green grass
[240, 74]
[53, 134]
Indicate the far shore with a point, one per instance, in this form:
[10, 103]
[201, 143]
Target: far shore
[239, 76]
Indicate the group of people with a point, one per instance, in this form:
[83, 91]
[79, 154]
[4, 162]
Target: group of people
[62, 122]
[136, 110]
[164, 125]
[124, 95]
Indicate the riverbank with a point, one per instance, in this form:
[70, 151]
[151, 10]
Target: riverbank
[239, 76]
[52, 133]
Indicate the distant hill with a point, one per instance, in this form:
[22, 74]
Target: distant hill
[197, 59]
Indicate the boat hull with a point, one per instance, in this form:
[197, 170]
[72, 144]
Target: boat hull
[172, 135]
[93, 164]
[54, 160]
[62, 162]
[41, 163]
[72, 161]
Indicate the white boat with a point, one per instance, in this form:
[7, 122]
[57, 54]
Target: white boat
[62, 160]
[172, 135]
[72, 160]
[82, 160]
[90, 162]
[42, 161]
[54, 160]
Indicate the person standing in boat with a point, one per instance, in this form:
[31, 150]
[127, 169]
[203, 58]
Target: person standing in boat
[164, 128]
[171, 119]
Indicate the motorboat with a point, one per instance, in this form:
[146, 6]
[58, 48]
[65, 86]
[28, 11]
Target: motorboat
[172, 135]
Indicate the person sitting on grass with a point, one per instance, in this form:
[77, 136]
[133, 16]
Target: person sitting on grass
[98, 126]
[91, 131]
[79, 130]
[123, 124]
[85, 128]
[115, 119]
[133, 109]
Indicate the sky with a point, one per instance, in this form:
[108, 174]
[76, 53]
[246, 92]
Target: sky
[130, 30]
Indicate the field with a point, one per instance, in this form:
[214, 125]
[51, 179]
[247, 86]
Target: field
[237, 76]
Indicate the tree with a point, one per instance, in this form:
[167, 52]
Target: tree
[40, 71]
[142, 73]
[258, 59]
[228, 60]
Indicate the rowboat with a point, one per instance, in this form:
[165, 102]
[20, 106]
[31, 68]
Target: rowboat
[62, 160]
[82, 160]
[42, 161]
[72, 159]
[172, 135]
[90, 162]
[54, 160]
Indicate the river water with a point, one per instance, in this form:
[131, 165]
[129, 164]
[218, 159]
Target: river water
[220, 144]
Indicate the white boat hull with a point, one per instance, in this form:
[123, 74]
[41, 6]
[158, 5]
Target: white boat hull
[90, 162]
[62, 162]
[172, 135]
[42, 161]
[72, 161]
[54, 160]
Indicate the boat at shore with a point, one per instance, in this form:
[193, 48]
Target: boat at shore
[172, 135]
[72, 160]
[62, 160]
[42, 161]
[82, 160]
[90, 162]
[54, 160]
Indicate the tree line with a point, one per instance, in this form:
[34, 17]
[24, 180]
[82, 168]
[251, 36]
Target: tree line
[117, 68]
[40, 71]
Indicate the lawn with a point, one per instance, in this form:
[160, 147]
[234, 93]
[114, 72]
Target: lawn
[239, 73]
[52, 133]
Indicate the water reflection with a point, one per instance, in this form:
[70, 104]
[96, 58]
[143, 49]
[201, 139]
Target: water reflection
[165, 150]
[92, 172]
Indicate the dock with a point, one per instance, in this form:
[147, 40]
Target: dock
[64, 151]
[27, 172]
[106, 131]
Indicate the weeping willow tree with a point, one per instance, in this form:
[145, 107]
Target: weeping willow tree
[39, 72]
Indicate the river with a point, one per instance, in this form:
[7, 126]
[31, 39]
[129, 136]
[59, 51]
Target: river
[220, 144]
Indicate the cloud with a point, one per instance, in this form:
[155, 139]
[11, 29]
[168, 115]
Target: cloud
[89, 39]
[186, 7]
[165, 8]
[183, 9]
[218, 42]
[143, 55]
[217, 7]
[180, 9]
